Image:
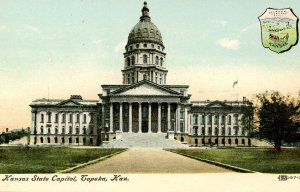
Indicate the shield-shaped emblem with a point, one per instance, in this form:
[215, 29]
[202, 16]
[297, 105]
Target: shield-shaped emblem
[279, 29]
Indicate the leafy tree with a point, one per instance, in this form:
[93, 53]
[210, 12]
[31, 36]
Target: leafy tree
[278, 117]
[247, 118]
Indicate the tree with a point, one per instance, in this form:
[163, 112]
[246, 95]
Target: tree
[278, 117]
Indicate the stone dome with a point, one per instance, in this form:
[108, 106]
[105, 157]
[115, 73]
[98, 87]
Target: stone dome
[145, 30]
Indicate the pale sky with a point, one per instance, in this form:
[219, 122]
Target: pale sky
[74, 46]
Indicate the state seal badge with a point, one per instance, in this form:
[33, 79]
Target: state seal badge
[279, 29]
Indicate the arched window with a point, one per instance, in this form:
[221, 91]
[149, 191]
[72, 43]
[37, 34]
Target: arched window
[56, 130]
[229, 131]
[42, 118]
[84, 130]
[63, 130]
[132, 60]
[128, 62]
[42, 140]
[77, 130]
[48, 139]
[161, 61]
[145, 59]
[42, 129]
[70, 129]
[156, 60]
[49, 131]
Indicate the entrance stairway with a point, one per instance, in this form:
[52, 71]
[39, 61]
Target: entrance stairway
[144, 140]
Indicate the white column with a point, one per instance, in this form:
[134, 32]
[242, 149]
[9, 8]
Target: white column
[199, 126]
[159, 118]
[149, 118]
[186, 119]
[111, 122]
[176, 119]
[213, 117]
[121, 117]
[206, 124]
[220, 124]
[169, 117]
[130, 117]
[33, 122]
[103, 117]
[140, 117]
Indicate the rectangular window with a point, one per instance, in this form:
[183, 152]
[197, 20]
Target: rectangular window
[223, 120]
[223, 131]
[236, 119]
[216, 122]
[49, 117]
[195, 119]
[209, 119]
[209, 130]
[63, 118]
[181, 126]
[56, 118]
[77, 118]
[229, 119]
[216, 131]
[70, 118]
[236, 130]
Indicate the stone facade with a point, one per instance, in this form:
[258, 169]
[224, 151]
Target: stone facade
[144, 103]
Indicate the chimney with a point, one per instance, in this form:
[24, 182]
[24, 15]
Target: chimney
[244, 100]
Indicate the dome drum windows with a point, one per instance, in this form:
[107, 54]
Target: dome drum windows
[145, 59]
[128, 61]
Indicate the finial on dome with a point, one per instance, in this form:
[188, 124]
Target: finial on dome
[145, 13]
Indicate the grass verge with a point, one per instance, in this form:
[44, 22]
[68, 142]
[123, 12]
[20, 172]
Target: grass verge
[47, 160]
[258, 160]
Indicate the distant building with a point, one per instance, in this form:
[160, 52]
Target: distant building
[143, 103]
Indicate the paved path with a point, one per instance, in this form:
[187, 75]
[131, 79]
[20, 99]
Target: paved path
[139, 160]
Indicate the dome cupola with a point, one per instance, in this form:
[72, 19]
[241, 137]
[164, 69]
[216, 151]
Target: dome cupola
[144, 56]
[145, 30]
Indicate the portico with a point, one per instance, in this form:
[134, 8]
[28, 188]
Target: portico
[142, 117]
[144, 107]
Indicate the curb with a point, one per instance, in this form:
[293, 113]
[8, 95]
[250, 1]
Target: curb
[90, 162]
[238, 169]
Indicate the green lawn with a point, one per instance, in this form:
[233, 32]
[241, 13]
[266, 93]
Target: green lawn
[46, 160]
[260, 160]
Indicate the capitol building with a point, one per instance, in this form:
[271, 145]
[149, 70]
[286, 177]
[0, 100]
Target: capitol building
[143, 104]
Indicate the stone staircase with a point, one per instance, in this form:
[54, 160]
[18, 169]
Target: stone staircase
[144, 140]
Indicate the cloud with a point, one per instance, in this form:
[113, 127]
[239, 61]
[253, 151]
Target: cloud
[2, 28]
[32, 29]
[120, 46]
[229, 43]
[250, 27]
[97, 42]
[220, 23]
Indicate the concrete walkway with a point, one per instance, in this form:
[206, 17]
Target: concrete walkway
[141, 160]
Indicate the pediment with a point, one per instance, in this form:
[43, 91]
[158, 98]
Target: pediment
[69, 103]
[145, 88]
[216, 104]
